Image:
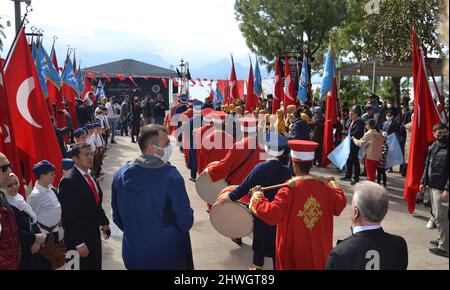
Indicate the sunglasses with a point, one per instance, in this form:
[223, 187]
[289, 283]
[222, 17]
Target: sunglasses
[5, 167]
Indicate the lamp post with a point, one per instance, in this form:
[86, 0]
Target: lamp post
[18, 12]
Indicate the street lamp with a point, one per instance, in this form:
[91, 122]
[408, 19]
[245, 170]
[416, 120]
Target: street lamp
[18, 13]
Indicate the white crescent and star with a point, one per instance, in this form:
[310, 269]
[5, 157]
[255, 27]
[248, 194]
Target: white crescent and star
[23, 94]
[288, 85]
[6, 138]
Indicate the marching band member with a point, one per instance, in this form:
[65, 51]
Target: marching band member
[273, 171]
[66, 165]
[199, 136]
[303, 214]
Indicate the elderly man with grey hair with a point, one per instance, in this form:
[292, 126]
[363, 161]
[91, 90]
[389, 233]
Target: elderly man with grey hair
[369, 247]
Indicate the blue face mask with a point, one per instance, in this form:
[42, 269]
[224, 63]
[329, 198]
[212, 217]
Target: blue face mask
[167, 153]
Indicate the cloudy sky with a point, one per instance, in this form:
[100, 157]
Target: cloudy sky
[157, 31]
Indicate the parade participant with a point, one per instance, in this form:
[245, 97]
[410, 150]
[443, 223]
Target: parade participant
[61, 132]
[99, 150]
[31, 239]
[303, 215]
[372, 142]
[369, 247]
[356, 129]
[44, 202]
[10, 250]
[189, 130]
[299, 129]
[82, 212]
[434, 182]
[289, 110]
[317, 126]
[135, 121]
[216, 143]
[280, 124]
[67, 164]
[240, 160]
[113, 113]
[90, 138]
[160, 199]
[271, 172]
[80, 135]
[198, 141]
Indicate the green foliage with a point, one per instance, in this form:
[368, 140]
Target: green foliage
[387, 90]
[354, 87]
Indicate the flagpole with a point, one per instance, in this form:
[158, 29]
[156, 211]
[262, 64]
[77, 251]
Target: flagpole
[374, 75]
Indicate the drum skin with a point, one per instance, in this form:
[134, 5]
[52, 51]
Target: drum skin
[232, 219]
[206, 188]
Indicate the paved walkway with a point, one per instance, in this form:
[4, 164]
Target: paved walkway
[214, 252]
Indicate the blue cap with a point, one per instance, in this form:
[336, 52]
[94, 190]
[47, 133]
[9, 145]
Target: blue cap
[90, 126]
[184, 99]
[79, 132]
[275, 144]
[96, 125]
[43, 167]
[67, 164]
[197, 103]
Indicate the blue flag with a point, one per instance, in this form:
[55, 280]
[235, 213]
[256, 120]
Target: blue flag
[257, 87]
[100, 92]
[42, 68]
[304, 81]
[53, 74]
[395, 155]
[69, 77]
[80, 79]
[218, 98]
[329, 73]
[340, 155]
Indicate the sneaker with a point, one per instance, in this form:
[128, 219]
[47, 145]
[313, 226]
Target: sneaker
[354, 182]
[431, 225]
[439, 252]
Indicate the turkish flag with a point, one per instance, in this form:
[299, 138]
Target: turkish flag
[87, 89]
[175, 83]
[330, 119]
[130, 77]
[278, 93]
[69, 95]
[164, 82]
[7, 147]
[55, 94]
[289, 91]
[34, 133]
[252, 100]
[107, 77]
[234, 91]
[425, 117]
[119, 76]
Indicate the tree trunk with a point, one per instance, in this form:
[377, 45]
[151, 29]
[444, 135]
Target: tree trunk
[396, 82]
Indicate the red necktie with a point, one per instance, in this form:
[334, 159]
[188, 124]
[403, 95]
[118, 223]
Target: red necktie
[93, 188]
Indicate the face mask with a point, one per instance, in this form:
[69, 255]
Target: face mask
[443, 139]
[389, 118]
[167, 153]
[411, 108]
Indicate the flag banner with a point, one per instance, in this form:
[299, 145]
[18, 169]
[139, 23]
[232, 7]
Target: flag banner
[329, 73]
[42, 69]
[304, 81]
[107, 77]
[69, 77]
[52, 71]
[252, 100]
[258, 81]
[340, 155]
[289, 90]
[394, 156]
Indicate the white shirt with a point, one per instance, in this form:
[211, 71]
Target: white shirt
[46, 206]
[111, 108]
[103, 121]
[98, 140]
[90, 140]
[365, 228]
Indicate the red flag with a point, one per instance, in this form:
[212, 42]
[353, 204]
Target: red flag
[227, 92]
[330, 119]
[234, 91]
[193, 82]
[425, 117]
[51, 88]
[252, 100]
[289, 91]
[211, 95]
[164, 82]
[8, 147]
[34, 133]
[119, 76]
[278, 93]
[91, 75]
[107, 77]
[200, 82]
[130, 77]
[69, 96]
[55, 93]
[175, 83]
[146, 77]
[87, 89]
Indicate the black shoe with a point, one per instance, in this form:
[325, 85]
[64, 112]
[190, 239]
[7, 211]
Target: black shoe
[419, 200]
[192, 179]
[435, 243]
[345, 178]
[439, 252]
[354, 182]
[427, 203]
[132, 141]
[113, 142]
[238, 241]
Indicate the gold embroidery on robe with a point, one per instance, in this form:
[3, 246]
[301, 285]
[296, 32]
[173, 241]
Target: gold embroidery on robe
[311, 213]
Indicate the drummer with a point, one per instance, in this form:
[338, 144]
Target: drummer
[240, 160]
[303, 214]
[273, 171]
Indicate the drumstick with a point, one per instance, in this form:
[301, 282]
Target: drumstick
[291, 184]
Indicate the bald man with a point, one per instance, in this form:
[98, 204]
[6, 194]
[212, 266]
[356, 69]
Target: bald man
[9, 238]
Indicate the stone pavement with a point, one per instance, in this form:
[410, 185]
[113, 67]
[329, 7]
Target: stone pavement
[214, 252]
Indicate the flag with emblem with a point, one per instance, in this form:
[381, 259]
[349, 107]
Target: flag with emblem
[278, 93]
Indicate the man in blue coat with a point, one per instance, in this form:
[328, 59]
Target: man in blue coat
[151, 206]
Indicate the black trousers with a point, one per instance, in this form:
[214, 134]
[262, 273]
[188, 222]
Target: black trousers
[353, 166]
[94, 260]
[381, 173]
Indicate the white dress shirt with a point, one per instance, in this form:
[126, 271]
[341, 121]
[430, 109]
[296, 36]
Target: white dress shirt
[365, 228]
[111, 109]
[46, 206]
[90, 140]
